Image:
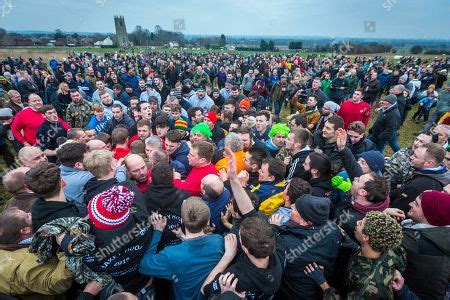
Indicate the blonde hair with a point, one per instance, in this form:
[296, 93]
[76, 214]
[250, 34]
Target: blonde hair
[98, 162]
[60, 88]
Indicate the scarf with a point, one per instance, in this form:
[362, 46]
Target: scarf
[378, 206]
[271, 145]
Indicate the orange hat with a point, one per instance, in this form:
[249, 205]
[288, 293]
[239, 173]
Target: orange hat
[245, 103]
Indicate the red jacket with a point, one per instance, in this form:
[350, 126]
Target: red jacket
[121, 152]
[26, 124]
[193, 180]
[352, 112]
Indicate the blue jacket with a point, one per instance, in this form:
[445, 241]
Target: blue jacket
[216, 207]
[97, 125]
[123, 98]
[87, 88]
[126, 120]
[75, 181]
[186, 264]
[181, 155]
[133, 80]
[427, 103]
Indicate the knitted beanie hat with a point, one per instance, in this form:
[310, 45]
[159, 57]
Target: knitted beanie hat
[383, 230]
[375, 160]
[245, 104]
[180, 124]
[110, 209]
[436, 208]
[334, 107]
[212, 117]
[313, 209]
[203, 129]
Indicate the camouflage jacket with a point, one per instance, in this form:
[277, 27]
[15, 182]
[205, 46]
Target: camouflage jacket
[79, 115]
[398, 167]
[372, 278]
[80, 244]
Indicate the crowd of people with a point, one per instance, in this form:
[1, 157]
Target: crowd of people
[173, 176]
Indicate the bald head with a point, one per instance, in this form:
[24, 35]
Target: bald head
[96, 145]
[14, 181]
[30, 156]
[137, 168]
[212, 186]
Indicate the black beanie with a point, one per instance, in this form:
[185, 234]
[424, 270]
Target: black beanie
[313, 209]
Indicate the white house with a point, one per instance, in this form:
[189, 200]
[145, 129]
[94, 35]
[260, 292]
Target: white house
[105, 42]
[174, 45]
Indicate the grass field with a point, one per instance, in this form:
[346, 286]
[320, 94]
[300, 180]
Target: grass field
[47, 52]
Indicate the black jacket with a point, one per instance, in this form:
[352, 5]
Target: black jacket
[167, 200]
[387, 123]
[421, 181]
[126, 120]
[329, 149]
[121, 259]
[361, 146]
[296, 168]
[256, 282]
[121, 262]
[217, 134]
[48, 133]
[43, 211]
[25, 88]
[371, 88]
[428, 266]
[302, 249]
[321, 187]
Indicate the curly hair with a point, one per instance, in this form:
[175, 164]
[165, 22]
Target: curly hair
[384, 232]
[279, 128]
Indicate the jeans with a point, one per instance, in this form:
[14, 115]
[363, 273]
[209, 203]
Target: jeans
[393, 142]
[380, 144]
[277, 106]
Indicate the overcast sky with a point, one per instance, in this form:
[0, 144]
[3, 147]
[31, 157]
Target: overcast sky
[333, 18]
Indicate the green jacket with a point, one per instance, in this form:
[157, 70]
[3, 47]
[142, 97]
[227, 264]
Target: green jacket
[79, 115]
[279, 92]
[372, 278]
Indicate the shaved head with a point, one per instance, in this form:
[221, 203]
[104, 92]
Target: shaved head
[96, 145]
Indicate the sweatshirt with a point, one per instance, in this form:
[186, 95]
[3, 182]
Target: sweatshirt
[193, 180]
[26, 124]
[186, 264]
[352, 112]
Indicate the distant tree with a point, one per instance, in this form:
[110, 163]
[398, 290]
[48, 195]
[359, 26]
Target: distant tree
[222, 41]
[263, 45]
[2, 33]
[59, 34]
[416, 49]
[295, 45]
[271, 46]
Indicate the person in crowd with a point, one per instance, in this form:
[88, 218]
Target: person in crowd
[379, 236]
[430, 173]
[200, 156]
[14, 183]
[189, 263]
[355, 109]
[387, 123]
